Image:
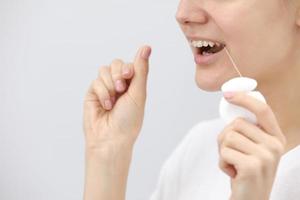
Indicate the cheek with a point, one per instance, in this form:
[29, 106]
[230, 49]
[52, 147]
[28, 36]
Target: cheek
[238, 32]
[253, 32]
[232, 19]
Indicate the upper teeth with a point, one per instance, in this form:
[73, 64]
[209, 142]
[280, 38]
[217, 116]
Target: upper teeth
[201, 43]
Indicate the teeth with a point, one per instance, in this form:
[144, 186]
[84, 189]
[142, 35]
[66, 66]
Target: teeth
[211, 44]
[201, 43]
[197, 43]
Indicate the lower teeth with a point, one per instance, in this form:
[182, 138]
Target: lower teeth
[206, 53]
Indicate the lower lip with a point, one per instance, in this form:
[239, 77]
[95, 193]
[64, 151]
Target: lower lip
[206, 59]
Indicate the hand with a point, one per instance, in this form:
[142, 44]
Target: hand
[113, 114]
[250, 153]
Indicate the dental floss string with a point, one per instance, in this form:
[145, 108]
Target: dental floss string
[232, 61]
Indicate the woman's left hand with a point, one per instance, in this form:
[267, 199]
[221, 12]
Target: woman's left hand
[250, 153]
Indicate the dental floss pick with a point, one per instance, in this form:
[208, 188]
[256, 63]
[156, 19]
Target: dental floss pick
[228, 111]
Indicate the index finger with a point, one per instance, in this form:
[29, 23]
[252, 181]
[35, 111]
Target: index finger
[265, 116]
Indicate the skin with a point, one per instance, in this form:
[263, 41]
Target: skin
[244, 27]
[111, 130]
[271, 60]
[249, 154]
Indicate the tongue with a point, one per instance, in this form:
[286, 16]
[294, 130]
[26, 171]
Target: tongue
[206, 53]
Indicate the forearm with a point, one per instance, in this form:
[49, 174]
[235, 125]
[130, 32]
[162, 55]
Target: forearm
[106, 172]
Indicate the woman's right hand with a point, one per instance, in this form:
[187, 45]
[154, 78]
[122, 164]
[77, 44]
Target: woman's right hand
[113, 114]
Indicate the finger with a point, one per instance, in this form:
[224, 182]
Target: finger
[227, 168]
[103, 94]
[116, 73]
[220, 137]
[240, 143]
[127, 71]
[233, 157]
[257, 136]
[138, 85]
[249, 130]
[105, 75]
[263, 112]
[91, 108]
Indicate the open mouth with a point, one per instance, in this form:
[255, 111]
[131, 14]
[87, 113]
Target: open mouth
[209, 50]
[207, 47]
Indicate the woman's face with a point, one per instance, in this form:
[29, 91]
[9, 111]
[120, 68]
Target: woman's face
[262, 36]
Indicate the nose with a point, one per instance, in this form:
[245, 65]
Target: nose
[190, 11]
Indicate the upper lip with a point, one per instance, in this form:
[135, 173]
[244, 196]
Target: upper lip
[196, 38]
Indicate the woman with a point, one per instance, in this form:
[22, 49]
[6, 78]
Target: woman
[264, 37]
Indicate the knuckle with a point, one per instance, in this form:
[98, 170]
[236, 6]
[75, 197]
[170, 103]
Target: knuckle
[229, 138]
[116, 62]
[264, 110]
[237, 122]
[233, 125]
[229, 127]
[102, 70]
[95, 83]
[116, 66]
[276, 147]
[220, 138]
[106, 80]
[222, 152]
[116, 76]
[99, 87]
[129, 65]
[111, 90]
[267, 158]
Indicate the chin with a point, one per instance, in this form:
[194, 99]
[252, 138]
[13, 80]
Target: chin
[210, 81]
[209, 85]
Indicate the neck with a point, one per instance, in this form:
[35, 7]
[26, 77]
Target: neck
[281, 93]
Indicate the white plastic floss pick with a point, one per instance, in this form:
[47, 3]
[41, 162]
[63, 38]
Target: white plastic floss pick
[228, 111]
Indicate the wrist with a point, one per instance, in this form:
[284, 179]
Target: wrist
[109, 152]
[107, 168]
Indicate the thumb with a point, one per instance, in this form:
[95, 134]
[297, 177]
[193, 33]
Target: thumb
[138, 84]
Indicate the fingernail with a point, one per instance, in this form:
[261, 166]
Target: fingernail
[108, 104]
[113, 99]
[126, 71]
[119, 85]
[228, 95]
[146, 51]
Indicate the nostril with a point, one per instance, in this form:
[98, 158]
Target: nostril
[181, 18]
[183, 21]
[192, 18]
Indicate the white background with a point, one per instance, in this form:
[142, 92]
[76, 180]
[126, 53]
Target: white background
[50, 51]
